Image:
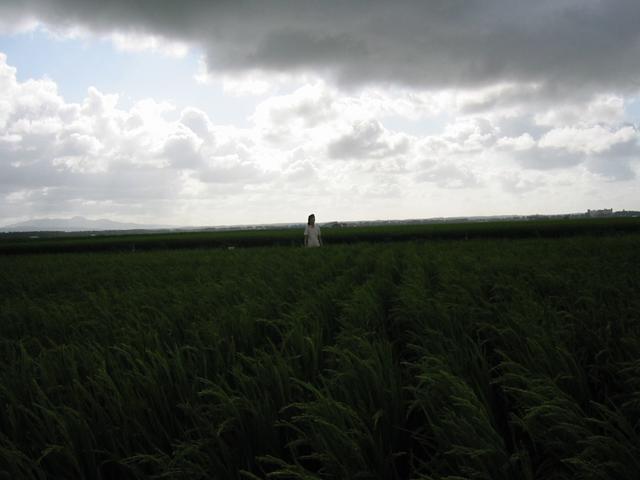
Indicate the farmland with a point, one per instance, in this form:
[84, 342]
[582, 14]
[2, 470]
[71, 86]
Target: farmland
[475, 354]
[20, 244]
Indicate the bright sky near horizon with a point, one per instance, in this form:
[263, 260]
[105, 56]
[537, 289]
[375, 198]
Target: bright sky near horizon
[218, 113]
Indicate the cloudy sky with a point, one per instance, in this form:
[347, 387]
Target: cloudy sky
[237, 112]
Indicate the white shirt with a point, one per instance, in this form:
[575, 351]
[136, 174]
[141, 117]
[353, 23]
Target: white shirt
[313, 234]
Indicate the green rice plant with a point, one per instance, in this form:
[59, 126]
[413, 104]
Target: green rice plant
[611, 449]
[15, 463]
[475, 359]
[437, 314]
[329, 440]
[523, 341]
[453, 428]
[568, 442]
[362, 311]
[361, 395]
[232, 419]
[363, 373]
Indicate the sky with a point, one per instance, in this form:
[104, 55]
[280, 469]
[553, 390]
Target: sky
[247, 112]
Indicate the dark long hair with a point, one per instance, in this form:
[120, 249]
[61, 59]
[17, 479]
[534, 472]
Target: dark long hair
[309, 219]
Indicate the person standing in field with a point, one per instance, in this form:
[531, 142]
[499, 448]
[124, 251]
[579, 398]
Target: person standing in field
[312, 236]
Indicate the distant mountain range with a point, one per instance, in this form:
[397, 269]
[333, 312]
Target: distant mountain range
[75, 224]
[82, 224]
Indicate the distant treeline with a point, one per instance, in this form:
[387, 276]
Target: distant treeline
[333, 235]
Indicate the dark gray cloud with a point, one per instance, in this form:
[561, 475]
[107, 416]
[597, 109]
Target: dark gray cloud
[617, 163]
[564, 45]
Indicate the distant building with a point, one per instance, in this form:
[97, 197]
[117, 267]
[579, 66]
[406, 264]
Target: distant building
[606, 212]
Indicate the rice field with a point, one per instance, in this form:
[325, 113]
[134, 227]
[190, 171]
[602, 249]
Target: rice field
[61, 242]
[442, 359]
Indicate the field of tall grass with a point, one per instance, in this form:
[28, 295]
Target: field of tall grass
[61, 242]
[479, 359]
